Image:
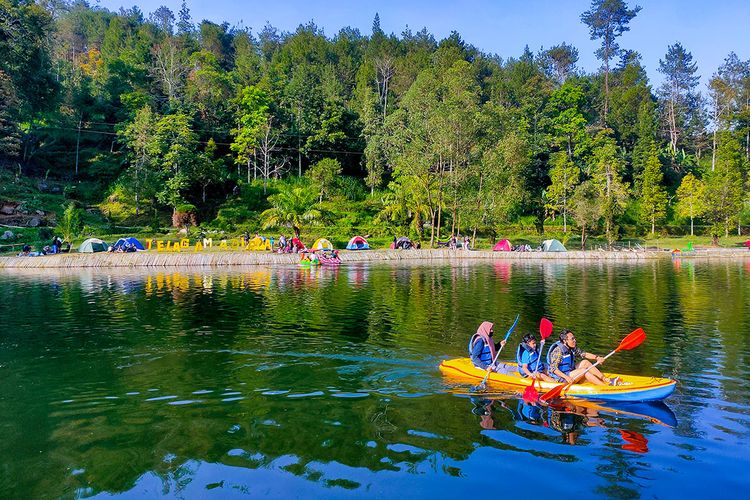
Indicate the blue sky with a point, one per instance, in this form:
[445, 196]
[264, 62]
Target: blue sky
[709, 30]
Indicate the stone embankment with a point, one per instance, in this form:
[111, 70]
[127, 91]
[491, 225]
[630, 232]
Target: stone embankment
[245, 258]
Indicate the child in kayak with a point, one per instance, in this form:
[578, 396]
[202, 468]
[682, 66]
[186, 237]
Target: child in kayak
[529, 364]
[562, 362]
[482, 347]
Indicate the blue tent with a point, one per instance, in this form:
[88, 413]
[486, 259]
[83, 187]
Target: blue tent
[129, 240]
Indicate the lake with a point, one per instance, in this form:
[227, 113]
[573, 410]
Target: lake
[291, 382]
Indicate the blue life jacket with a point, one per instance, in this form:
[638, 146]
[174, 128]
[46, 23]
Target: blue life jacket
[486, 356]
[567, 362]
[533, 357]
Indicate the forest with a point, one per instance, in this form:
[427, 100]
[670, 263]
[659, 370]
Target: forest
[123, 120]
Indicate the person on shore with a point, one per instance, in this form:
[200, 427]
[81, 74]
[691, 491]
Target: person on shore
[482, 347]
[528, 356]
[282, 243]
[466, 243]
[561, 358]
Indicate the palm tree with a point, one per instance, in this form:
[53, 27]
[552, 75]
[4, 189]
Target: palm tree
[405, 203]
[292, 207]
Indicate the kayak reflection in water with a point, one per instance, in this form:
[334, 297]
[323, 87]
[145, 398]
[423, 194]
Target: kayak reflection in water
[571, 419]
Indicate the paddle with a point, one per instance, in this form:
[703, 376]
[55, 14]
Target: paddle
[631, 341]
[482, 386]
[545, 330]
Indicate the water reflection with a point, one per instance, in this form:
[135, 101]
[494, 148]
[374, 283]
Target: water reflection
[192, 382]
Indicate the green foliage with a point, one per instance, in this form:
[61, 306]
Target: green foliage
[691, 199]
[70, 224]
[564, 177]
[351, 188]
[293, 206]
[724, 187]
[445, 137]
[252, 114]
[653, 195]
[606, 175]
[586, 207]
[323, 175]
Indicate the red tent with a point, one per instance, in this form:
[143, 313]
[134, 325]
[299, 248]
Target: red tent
[502, 246]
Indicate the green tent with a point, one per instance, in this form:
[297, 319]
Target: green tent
[92, 245]
[553, 246]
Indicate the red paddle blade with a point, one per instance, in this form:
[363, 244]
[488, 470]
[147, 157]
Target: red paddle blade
[545, 328]
[552, 393]
[530, 395]
[633, 340]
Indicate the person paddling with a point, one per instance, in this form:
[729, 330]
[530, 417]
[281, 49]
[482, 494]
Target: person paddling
[529, 364]
[482, 347]
[562, 362]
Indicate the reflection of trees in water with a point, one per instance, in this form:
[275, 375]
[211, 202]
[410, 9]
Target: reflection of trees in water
[86, 335]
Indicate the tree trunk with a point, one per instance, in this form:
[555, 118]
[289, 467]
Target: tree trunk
[78, 142]
[432, 228]
[440, 201]
[606, 89]
[691, 225]
[583, 237]
[713, 152]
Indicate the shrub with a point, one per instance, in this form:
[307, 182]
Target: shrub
[70, 224]
[185, 216]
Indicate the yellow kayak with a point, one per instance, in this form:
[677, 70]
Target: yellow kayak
[634, 388]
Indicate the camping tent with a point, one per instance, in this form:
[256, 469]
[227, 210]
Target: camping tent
[357, 243]
[553, 246]
[122, 242]
[404, 243]
[322, 244]
[259, 243]
[92, 245]
[502, 246]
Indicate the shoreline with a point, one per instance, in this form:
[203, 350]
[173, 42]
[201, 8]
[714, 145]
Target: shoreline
[152, 259]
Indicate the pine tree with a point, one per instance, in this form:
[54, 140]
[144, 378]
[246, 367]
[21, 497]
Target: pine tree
[677, 93]
[608, 19]
[724, 185]
[653, 194]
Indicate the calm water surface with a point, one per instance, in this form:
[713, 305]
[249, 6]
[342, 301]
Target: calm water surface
[292, 382]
